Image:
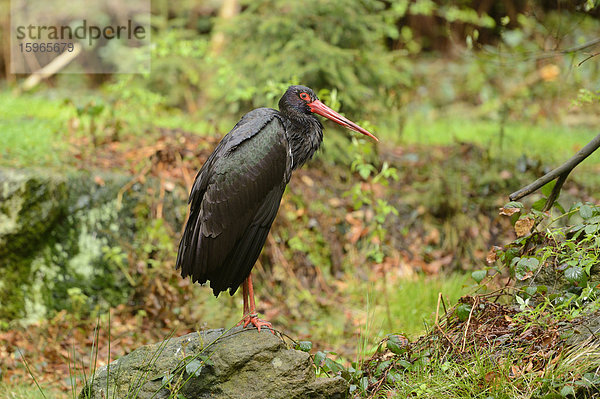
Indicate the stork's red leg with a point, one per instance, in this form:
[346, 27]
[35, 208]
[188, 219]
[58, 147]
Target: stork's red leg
[251, 294]
[245, 293]
[246, 307]
[250, 315]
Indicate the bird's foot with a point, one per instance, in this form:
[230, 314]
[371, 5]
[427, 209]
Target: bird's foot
[252, 318]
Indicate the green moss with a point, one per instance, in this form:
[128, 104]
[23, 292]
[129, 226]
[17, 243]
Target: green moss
[61, 242]
[31, 204]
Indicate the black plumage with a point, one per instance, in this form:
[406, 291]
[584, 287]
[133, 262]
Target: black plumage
[234, 200]
[237, 192]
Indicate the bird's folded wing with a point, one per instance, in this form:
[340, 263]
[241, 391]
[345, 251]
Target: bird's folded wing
[234, 201]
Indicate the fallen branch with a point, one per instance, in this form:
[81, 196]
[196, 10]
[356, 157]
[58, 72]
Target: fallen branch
[52, 68]
[561, 173]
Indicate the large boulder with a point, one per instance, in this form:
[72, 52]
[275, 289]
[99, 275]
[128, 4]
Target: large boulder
[233, 364]
[65, 239]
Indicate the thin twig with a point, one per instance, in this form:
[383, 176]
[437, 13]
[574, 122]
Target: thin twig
[444, 304]
[382, 379]
[587, 58]
[437, 309]
[562, 171]
[464, 343]
[581, 46]
[437, 313]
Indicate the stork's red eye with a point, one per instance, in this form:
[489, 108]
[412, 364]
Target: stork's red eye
[305, 96]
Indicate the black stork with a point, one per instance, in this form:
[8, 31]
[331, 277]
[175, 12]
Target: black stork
[237, 192]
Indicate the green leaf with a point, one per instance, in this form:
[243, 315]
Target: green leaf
[514, 204]
[445, 366]
[520, 300]
[513, 37]
[575, 206]
[320, 358]
[393, 377]
[539, 204]
[567, 390]
[510, 255]
[364, 383]
[381, 367]
[531, 290]
[521, 274]
[594, 220]
[525, 267]
[365, 170]
[577, 228]
[591, 379]
[479, 275]
[542, 289]
[95, 110]
[548, 187]
[404, 363]
[591, 228]
[333, 366]
[574, 274]
[304, 346]
[462, 311]
[194, 367]
[396, 344]
[586, 211]
[531, 264]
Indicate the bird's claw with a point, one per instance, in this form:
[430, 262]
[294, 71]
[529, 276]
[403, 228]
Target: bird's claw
[258, 323]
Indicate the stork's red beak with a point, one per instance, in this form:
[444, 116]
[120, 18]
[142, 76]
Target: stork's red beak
[319, 108]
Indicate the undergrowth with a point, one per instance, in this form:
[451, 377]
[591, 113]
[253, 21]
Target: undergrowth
[534, 337]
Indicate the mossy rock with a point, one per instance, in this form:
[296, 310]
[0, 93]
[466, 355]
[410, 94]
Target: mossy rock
[62, 241]
[240, 363]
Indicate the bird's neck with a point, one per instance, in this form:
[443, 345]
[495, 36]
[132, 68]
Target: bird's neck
[305, 135]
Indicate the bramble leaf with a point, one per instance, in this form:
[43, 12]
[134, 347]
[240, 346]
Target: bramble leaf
[479, 275]
[304, 346]
[194, 367]
[463, 311]
[586, 211]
